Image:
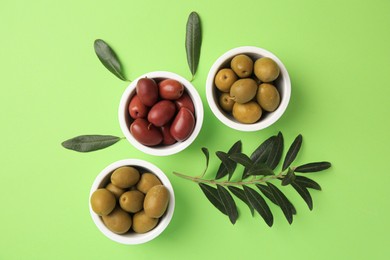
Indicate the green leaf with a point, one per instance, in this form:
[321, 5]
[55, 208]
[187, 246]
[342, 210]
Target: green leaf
[229, 164]
[213, 196]
[228, 202]
[304, 193]
[260, 169]
[222, 170]
[267, 192]
[289, 177]
[307, 183]
[207, 155]
[259, 204]
[276, 152]
[242, 159]
[88, 143]
[260, 154]
[313, 167]
[239, 193]
[292, 152]
[193, 41]
[108, 58]
[283, 202]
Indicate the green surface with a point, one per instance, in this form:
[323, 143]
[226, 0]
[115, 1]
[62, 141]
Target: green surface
[53, 87]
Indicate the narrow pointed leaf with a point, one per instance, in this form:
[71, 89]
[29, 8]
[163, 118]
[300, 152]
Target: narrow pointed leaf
[89, 143]
[242, 159]
[304, 193]
[239, 193]
[288, 178]
[228, 202]
[108, 58]
[213, 196]
[222, 170]
[276, 152]
[292, 152]
[260, 154]
[259, 204]
[283, 202]
[207, 155]
[308, 183]
[260, 169]
[267, 192]
[193, 41]
[227, 163]
[313, 167]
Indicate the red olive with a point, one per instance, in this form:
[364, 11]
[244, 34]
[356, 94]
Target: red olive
[183, 124]
[185, 101]
[137, 109]
[170, 89]
[162, 112]
[167, 137]
[145, 133]
[147, 91]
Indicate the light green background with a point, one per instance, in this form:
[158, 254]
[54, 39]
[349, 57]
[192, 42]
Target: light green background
[53, 88]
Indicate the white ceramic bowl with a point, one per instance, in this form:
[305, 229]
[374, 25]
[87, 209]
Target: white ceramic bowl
[283, 84]
[132, 238]
[125, 120]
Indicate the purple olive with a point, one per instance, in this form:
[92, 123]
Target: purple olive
[170, 89]
[137, 109]
[145, 133]
[183, 124]
[167, 137]
[162, 112]
[185, 101]
[147, 91]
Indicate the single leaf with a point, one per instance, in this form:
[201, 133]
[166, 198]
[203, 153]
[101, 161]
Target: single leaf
[213, 196]
[260, 154]
[259, 204]
[242, 159]
[308, 183]
[207, 155]
[276, 152]
[313, 167]
[260, 169]
[267, 192]
[228, 164]
[89, 143]
[289, 177]
[239, 193]
[228, 202]
[304, 193]
[292, 152]
[283, 202]
[108, 58]
[222, 170]
[193, 41]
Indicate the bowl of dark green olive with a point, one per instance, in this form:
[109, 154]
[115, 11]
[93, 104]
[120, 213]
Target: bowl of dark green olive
[248, 88]
[131, 201]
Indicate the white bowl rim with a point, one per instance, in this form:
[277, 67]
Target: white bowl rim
[133, 238]
[262, 123]
[178, 146]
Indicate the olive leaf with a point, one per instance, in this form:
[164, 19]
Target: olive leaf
[222, 170]
[289, 177]
[108, 58]
[88, 143]
[259, 204]
[242, 159]
[239, 193]
[313, 167]
[260, 154]
[282, 201]
[207, 155]
[260, 169]
[276, 151]
[193, 42]
[267, 192]
[307, 183]
[213, 196]
[229, 165]
[292, 152]
[228, 203]
[304, 193]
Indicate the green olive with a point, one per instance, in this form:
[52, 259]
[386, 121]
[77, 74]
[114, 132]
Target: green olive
[266, 69]
[115, 190]
[132, 201]
[102, 202]
[156, 201]
[247, 113]
[242, 65]
[125, 177]
[142, 223]
[226, 102]
[147, 181]
[268, 97]
[243, 90]
[225, 79]
[118, 221]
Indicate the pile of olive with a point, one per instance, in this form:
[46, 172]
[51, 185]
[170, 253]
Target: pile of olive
[131, 201]
[162, 111]
[246, 88]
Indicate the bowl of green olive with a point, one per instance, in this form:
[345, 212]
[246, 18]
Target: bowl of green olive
[248, 88]
[131, 201]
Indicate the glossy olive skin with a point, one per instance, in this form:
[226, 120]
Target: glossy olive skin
[137, 109]
[247, 113]
[145, 132]
[132, 201]
[183, 124]
[124, 177]
[102, 202]
[266, 69]
[268, 97]
[226, 102]
[115, 190]
[243, 90]
[225, 79]
[162, 112]
[242, 65]
[118, 221]
[147, 181]
[156, 201]
[147, 91]
[185, 101]
[166, 133]
[170, 89]
[142, 223]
